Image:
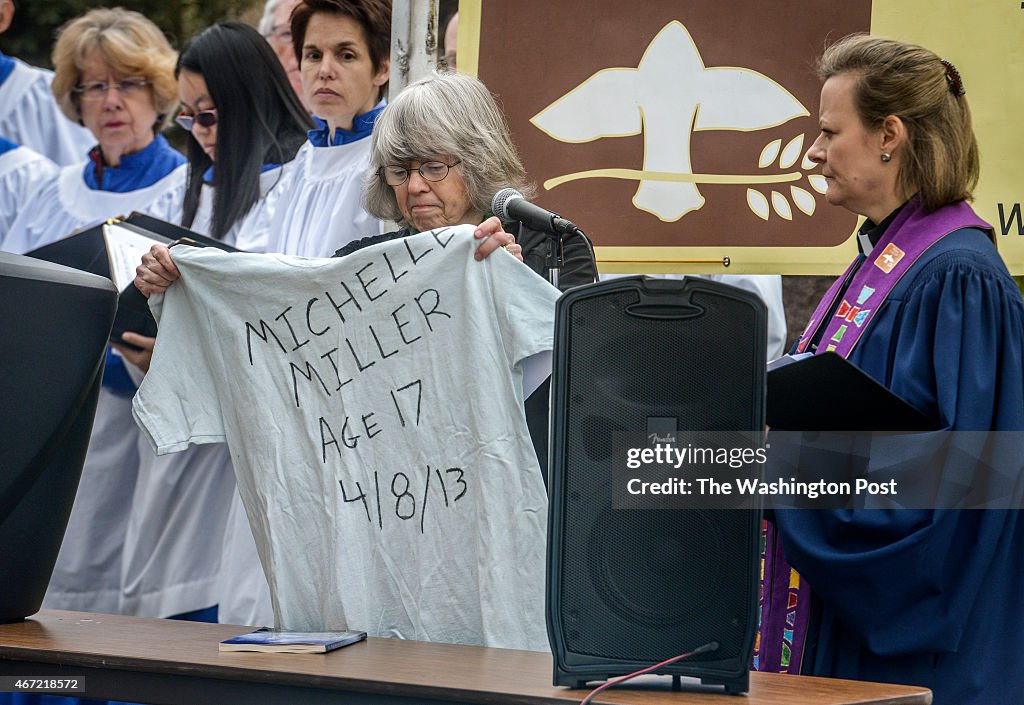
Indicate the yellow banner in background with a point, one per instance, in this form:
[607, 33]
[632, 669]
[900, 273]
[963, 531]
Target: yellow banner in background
[985, 41]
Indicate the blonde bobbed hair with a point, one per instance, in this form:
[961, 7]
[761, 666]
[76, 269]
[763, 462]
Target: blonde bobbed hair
[131, 44]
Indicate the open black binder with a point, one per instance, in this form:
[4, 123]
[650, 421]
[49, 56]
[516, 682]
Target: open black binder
[87, 250]
[827, 392]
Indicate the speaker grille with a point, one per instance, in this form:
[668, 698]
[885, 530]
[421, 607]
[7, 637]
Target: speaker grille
[645, 585]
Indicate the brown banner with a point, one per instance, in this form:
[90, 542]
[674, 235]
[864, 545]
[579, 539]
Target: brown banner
[671, 123]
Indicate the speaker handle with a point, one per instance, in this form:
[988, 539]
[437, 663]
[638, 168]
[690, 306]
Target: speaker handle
[664, 299]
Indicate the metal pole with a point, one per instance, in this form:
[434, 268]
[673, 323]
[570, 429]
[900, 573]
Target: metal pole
[414, 42]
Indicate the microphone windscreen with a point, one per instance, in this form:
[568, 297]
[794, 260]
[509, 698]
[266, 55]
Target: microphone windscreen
[499, 204]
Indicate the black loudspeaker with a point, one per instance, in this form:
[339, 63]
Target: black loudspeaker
[628, 588]
[55, 323]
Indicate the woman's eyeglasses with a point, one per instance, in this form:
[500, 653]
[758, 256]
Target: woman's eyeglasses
[395, 175]
[97, 90]
[280, 34]
[207, 118]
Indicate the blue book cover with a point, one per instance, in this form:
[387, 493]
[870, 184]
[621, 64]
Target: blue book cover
[285, 642]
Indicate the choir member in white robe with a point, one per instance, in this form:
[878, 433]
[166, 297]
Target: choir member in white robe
[246, 125]
[115, 73]
[22, 172]
[345, 66]
[29, 116]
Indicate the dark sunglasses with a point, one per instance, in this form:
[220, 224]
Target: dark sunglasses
[207, 118]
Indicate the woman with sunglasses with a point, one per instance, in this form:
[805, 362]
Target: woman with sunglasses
[246, 125]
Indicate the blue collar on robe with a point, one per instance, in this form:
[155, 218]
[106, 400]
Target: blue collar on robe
[136, 171]
[362, 126]
[6, 145]
[6, 67]
[208, 174]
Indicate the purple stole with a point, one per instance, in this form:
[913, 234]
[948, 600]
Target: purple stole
[785, 596]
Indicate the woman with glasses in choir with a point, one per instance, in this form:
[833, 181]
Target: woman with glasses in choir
[245, 125]
[115, 75]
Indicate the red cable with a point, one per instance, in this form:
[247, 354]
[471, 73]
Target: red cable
[713, 646]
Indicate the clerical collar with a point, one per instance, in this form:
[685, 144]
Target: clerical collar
[139, 170]
[362, 126]
[869, 233]
[208, 174]
[6, 67]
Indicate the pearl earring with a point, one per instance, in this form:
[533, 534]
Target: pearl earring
[886, 157]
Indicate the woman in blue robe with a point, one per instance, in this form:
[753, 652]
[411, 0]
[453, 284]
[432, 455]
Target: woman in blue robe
[918, 596]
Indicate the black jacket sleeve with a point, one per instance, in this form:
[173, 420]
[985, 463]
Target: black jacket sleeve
[578, 265]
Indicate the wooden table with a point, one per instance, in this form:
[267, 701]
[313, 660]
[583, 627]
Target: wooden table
[166, 662]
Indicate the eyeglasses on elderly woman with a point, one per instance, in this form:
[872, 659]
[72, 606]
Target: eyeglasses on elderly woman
[97, 90]
[395, 175]
[206, 118]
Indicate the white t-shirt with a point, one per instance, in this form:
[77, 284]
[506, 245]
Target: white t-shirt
[174, 541]
[322, 209]
[373, 407]
[29, 116]
[22, 172]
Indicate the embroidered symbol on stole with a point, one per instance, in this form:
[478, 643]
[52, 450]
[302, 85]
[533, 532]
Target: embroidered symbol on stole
[804, 339]
[838, 337]
[844, 308]
[889, 258]
[859, 319]
[864, 295]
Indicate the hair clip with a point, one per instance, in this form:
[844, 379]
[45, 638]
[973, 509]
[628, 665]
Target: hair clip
[956, 84]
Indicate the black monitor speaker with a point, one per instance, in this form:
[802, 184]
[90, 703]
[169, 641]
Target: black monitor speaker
[55, 322]
[631, 587]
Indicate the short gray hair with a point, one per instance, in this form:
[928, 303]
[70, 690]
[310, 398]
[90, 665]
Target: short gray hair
[266, 25]
[444, 114]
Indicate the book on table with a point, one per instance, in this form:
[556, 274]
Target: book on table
[287, 642]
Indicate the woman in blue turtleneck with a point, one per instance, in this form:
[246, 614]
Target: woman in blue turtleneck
[115, 75]
[342, 49]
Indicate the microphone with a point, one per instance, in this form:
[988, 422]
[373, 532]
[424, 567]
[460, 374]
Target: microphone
[509, 204]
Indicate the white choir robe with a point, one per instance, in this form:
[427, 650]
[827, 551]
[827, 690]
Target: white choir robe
[30, 116]
[65, 204]
[87, 576]
[176, 541]
[23, 171]
[324, 208]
